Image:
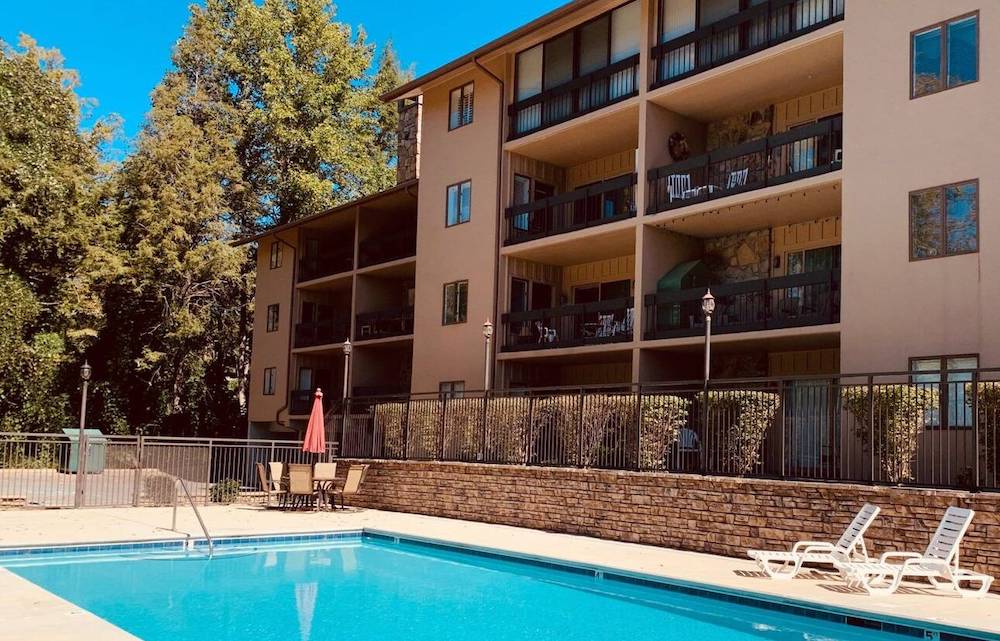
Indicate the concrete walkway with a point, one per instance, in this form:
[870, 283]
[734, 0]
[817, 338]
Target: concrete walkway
[29, 612]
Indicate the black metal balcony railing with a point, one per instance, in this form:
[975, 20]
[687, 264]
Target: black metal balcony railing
[387, 247]
[607, 321]
[325, 332]
[770, 303]
[747, 32]
[597, 89]
[327, 264]
[791, 155]
[384, 323]
[605, 202]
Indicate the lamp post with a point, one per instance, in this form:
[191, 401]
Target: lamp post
[488, 335]
[348, 348]
[81, 458]
[708, 308]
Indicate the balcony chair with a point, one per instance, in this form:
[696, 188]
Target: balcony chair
[787, 564]
[545, 334]
[606, 325]
[679, 187]
[737, 178]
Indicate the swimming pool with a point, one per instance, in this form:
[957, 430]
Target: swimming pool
[362, 587]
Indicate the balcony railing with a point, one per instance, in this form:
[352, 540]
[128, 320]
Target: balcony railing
[325, 332]
[770, 303]
[301, 401]
[387, 247]
[737, 36]
[384, 323]
[607, 321]
[605, 202]
[799, 153]
[327, 264]
[597, 89]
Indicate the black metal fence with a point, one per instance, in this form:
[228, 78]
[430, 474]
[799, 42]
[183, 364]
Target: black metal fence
[926, 429]
[324, 332]
[799, 153]
[383, 248]
[754, 29]
[330, 261]
[797, 300]
[606, 321]
[384, 323]
[604, 202]
[587, 93]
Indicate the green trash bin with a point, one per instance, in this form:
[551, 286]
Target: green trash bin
[97, 451]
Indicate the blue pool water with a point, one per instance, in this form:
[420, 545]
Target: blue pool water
[367, 589]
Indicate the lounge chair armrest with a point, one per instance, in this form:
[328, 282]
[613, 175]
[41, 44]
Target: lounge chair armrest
[805, 547]
[899, 555]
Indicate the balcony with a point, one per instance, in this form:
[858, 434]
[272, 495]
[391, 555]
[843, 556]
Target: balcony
[300, 402]
[747, 32]
[387, 247]
[607, 321]
[330, 263]
[798, 300]
[614, 83]
[799, 153]
[385, 323]
[324, 332]
[605, 202]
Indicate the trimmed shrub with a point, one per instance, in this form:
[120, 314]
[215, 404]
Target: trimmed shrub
[663, 416]
[225, 491]
[463, 419]
[390, 428]
[900, 413]
[423, 431]
[987, 406]
[507, 424]
[159, 489]
[738, 421]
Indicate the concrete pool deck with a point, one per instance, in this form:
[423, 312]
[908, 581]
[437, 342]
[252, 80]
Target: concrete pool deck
[27, 611]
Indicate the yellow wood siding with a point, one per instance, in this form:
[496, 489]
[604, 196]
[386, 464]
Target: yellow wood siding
[539, 170]
[592, 171]
[808, 108]
[801, 236]
[806, 362]
[600, 271]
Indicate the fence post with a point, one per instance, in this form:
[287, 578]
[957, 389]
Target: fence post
[636, 460]
[482, 436]
[871, 426]
[579, 432]
[208, 475]
[406, 430]
[781, 422]
[530, 436]
[137, 490]
[444, 412]
[975, 431]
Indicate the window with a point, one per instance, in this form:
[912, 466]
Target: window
[305, 378]
[951, 388]
[452, 389]
[270, 380]
[275, 254]
[272, 318]
[944, 55]
[456, 300]
[944, 221]
[459, 203]
[460, 107]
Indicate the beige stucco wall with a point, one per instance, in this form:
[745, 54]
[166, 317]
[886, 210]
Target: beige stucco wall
[462, 252]
[270, 349]
[894, 309]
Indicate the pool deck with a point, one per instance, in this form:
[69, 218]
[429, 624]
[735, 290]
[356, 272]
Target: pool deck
[28, 611]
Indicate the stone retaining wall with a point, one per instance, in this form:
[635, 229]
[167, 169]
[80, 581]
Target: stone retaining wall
[704, 514]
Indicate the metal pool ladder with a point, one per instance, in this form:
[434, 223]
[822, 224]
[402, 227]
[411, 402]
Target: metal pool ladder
[201, 522]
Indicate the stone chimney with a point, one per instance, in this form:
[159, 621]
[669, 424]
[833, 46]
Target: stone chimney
[408, 151]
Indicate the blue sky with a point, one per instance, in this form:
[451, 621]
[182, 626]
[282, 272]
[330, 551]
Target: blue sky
[121, 48]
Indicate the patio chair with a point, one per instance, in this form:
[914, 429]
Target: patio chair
[301, 489]
[277, 473]
[605, 325]
[355, 477]
[938, 563]
[325, 477]
[269, 489]
[737, 178]
[678, 186]
[787, 564]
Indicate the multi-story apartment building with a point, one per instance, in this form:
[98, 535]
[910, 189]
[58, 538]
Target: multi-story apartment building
[581, 181]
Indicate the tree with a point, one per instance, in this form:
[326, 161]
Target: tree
[56, 235]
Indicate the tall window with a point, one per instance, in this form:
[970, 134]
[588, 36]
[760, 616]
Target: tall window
[944, 55]
[459, 203]
[270, 380]
[456, 301]
[275, 254]
[272, 318]
[944, 220]
[943, 372]
[460, 107]
[452, 389]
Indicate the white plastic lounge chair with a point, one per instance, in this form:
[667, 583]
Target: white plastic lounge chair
[787, 564]
[938, 564]
[678, 185]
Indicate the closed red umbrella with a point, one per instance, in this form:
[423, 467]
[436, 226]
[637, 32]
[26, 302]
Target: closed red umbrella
[315, 440]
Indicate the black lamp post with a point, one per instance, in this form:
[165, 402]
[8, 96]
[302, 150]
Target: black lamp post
[81, 459]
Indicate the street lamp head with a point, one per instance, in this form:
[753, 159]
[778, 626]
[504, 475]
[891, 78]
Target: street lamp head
[488, 329]
[708, 303]
[85, 371]
[348, 347]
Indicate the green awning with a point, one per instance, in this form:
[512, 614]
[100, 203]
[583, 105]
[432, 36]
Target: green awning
[674, 279]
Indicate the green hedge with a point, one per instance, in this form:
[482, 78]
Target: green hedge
[738, 421]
